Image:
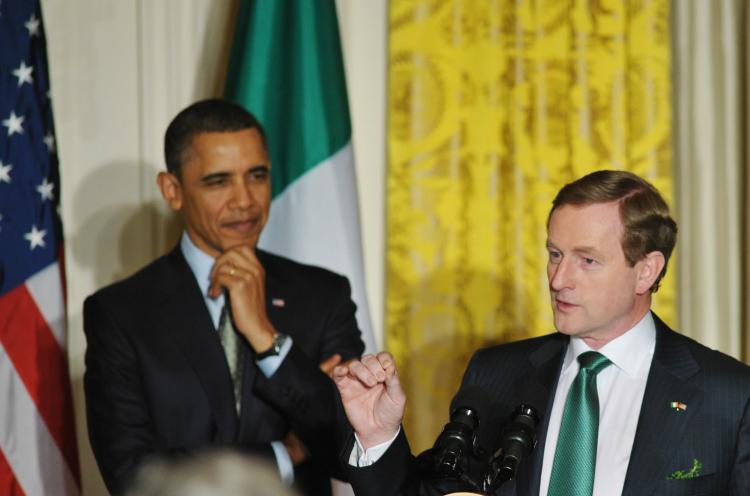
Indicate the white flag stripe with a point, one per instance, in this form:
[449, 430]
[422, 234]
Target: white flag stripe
[46, 288]
[316, 221]
[32, 453]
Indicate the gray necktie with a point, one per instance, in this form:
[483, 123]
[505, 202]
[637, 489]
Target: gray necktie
[230, 341]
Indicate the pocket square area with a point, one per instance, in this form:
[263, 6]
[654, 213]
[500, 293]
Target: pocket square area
[692, 473]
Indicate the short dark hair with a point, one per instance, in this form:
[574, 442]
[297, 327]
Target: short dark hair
[643, 212]
[206, 116]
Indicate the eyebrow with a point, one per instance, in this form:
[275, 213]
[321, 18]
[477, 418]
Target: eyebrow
[586, 250]
[208, 178]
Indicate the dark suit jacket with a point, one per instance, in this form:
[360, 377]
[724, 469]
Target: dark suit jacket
[157, 382]
[714, 428]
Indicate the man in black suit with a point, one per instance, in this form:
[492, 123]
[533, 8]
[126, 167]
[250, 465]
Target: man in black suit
[217, 343]
[627, 405]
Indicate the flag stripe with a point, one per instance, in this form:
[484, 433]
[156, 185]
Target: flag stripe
[286, 68]
[30, 450]
[31, 347]
[46, 288]
[8, 483]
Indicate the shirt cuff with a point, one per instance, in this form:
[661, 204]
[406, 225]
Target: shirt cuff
[361, 457]
[270, 365]
[283, 462]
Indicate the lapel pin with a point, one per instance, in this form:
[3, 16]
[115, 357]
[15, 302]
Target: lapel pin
[677, 406]
[278, 302]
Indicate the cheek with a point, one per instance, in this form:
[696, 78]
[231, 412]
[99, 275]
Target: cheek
[211, 211]
[615, 293]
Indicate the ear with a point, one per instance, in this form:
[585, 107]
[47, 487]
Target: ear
[648, 269]
[171, 189]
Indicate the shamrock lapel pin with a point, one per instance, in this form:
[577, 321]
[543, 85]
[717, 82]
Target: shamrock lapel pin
[694, 472]
[677, 406]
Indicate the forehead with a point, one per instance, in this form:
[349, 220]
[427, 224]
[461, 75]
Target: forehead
[596, 225]
[248, 138]
[212, 147]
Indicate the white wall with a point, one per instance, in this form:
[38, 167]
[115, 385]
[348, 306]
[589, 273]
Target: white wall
[120, 71]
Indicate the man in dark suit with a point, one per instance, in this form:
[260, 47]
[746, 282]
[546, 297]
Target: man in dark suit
[217, 343]
[627, 405]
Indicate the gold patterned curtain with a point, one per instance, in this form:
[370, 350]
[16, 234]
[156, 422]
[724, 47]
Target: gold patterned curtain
[493, 106]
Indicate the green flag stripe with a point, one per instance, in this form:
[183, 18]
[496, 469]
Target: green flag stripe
[286, 68]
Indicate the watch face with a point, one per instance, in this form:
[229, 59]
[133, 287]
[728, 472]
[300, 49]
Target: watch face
[278, 342]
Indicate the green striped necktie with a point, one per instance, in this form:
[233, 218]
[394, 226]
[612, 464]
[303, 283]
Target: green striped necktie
[575, 456]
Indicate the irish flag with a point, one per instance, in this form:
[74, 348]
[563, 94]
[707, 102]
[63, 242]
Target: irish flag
[286, 67]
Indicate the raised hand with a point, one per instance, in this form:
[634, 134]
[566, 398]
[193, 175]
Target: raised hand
[239, 272]
[372, 397]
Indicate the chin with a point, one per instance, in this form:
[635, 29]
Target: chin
[565, 327]
[250, 241]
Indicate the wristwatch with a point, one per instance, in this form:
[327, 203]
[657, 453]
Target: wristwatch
[278, 342]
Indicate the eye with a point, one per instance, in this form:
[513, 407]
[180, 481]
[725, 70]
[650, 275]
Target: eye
[588, 261]
[554, 256]
[259, 174]
[216, 181]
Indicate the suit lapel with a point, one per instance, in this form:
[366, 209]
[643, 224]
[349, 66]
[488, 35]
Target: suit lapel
[546, 362]
[278, 294]
[193, 331]
[659, 426]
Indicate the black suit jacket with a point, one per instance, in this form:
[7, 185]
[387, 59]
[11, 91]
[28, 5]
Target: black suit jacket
[157, 382]
[713, 429]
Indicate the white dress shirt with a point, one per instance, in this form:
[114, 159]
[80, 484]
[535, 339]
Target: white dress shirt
[361, 457]
[621, 387]
[200, 264]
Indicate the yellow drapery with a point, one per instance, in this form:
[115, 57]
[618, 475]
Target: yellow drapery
[493, 106]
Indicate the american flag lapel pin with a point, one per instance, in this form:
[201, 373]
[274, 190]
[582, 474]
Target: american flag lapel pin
[278, 302]
[678, 406]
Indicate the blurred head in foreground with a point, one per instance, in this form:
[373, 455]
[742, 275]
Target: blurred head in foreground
[220, 473]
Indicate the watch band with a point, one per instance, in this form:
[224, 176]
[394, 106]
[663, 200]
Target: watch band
[278, 342]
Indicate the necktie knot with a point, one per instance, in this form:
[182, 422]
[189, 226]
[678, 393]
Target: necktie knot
[593, 362]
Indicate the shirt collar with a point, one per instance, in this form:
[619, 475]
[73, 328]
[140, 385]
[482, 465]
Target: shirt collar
[200, 264]
[627, 352]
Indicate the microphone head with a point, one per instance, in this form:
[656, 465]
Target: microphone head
[470, 405]
[474, 402]
[533, 394]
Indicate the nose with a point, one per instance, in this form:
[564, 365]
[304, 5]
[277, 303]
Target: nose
[559, 275]
[242, 196]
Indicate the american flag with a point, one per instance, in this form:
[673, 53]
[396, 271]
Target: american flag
[38, 453]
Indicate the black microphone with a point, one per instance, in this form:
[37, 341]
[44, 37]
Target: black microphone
[519, 436]
[458, 441]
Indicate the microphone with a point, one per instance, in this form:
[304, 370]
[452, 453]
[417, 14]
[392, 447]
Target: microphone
[457, 448]
[519, 436]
